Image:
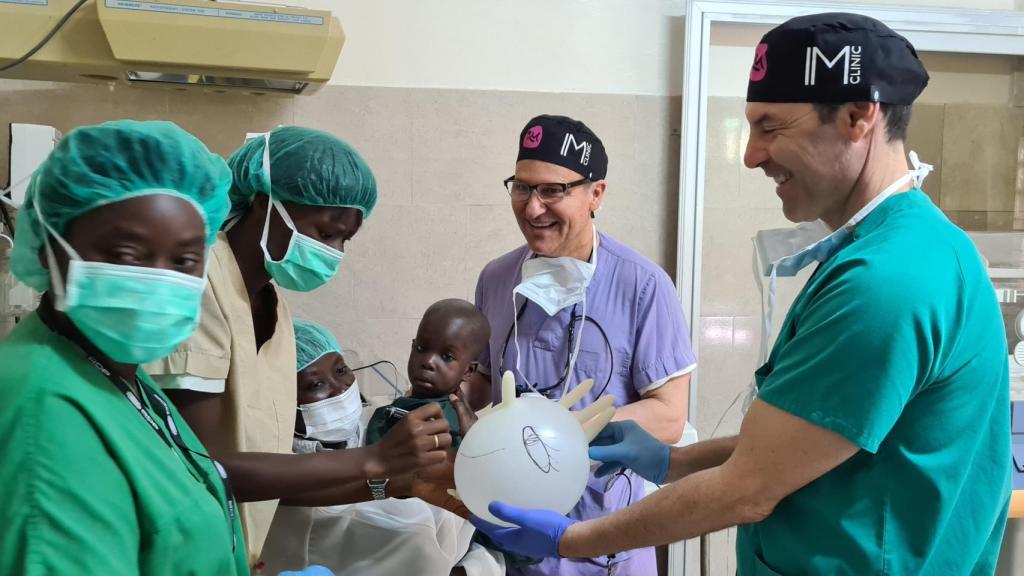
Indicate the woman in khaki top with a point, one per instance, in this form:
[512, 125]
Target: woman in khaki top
[298, 195]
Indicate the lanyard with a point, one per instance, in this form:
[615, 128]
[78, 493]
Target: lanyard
[153, 399]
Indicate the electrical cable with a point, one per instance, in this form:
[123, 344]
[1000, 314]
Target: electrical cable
[53, 31]
[373, 367]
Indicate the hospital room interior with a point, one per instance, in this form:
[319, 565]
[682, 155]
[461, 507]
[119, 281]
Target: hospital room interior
[434, 94]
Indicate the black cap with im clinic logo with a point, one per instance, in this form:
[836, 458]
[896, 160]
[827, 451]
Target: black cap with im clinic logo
[835, 58]
[566, 142]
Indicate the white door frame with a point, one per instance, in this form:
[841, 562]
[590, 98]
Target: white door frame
[929, 29]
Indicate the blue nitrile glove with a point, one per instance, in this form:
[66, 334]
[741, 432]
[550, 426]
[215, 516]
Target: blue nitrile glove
[311, 571]
[626, 445]
[537, 532]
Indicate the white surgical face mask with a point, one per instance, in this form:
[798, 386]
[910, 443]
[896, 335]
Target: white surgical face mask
[335, 419]
[776, 250]
[555, 284]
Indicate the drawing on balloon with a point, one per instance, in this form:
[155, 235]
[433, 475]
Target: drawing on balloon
[538, 450]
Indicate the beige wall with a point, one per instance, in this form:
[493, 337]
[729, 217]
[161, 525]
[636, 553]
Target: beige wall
[439, 156]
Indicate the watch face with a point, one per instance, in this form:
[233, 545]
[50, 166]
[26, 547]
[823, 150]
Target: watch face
[377, 488]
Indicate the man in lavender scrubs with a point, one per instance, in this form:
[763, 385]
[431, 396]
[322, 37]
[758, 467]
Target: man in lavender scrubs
[584, 289]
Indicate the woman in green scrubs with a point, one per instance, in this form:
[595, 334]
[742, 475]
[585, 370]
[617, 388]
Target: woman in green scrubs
[100, 474]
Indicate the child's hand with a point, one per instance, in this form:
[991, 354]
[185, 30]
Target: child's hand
[434, 485]
[466, 415]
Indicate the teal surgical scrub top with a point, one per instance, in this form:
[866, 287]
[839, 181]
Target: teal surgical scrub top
[87, 486]
[896, 343]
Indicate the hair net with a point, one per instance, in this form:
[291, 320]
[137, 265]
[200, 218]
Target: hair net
[97, 165]
[312, 342]
[308, 167]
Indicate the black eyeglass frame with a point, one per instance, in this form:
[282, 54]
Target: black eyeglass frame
[565, 187]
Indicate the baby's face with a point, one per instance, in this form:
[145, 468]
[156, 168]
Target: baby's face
[326, 378]
[440, 356]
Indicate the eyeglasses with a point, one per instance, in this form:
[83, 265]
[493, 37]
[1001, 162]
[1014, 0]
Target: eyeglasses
[549, 192]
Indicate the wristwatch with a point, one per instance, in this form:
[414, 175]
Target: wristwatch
[377, 488]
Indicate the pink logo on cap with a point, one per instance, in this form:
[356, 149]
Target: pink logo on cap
[760, 68]
[533, 136]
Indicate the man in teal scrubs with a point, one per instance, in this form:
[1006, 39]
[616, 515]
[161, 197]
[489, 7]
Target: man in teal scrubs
[879, 440]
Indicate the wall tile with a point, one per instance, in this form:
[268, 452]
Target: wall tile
[632, 215]
[727, 358]
[463, 147]
[332, 303]
[724, 153]
[728, 286]
[657, 133]
[490, 232]
[221, 120]
[377, 122]
[1000, 222]
[410, 255]
[714, 357]
[979, 157]
[67, 106]
[657, 179]
[924, 136]
[611, 117]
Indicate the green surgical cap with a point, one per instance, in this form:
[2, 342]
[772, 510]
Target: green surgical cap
[98, 165]
[308, 167]
[312, 342]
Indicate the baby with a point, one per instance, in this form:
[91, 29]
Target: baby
[450, 338]
[392, 537]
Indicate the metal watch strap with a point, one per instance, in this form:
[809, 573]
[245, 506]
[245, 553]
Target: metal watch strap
[377, 488]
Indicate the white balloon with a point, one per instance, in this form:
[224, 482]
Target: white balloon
[529, 452]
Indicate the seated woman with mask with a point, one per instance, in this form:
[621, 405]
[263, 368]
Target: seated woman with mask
[100, 473]
[386, 537]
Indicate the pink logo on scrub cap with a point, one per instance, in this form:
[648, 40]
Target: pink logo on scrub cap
[760, 68]
[533, 136]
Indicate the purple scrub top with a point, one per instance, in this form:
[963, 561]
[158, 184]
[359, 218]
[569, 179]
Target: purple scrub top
[633, 310]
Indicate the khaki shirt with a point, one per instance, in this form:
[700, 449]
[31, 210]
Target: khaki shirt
[259, 412]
